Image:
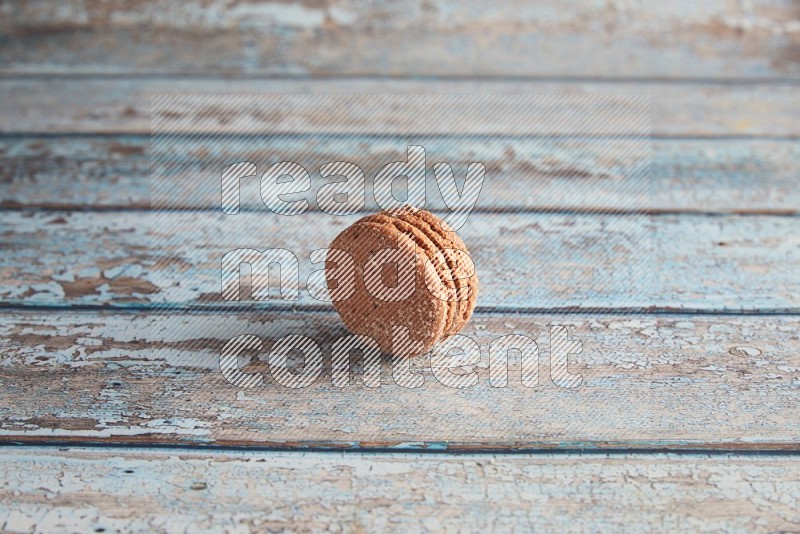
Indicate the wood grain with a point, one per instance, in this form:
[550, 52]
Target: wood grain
[722, 78]
[50, 490]
[714, 39]
[49, 105]
[648, 382]
[553, 261]
[114, 172]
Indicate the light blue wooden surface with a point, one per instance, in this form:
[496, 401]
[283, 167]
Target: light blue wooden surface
[713, 365]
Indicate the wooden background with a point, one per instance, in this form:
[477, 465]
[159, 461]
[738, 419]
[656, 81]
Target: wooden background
[115, 415]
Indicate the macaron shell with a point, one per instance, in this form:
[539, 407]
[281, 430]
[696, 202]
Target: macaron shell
[456, 276]
[428, 248]
[364, 314]
[463, 270]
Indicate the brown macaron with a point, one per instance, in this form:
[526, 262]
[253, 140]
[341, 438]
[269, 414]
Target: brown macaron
[411, 271]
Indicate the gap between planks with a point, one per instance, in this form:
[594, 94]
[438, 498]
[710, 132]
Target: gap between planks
[14, 74]
[538, 210]
[652, 311]
[421, 449]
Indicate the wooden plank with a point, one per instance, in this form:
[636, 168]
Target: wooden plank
[123, 106]
[648, 382]
[740, 176]
[524, 260]
[684, 39]
[132, 489]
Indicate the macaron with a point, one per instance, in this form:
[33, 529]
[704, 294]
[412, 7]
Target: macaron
[411, 271]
